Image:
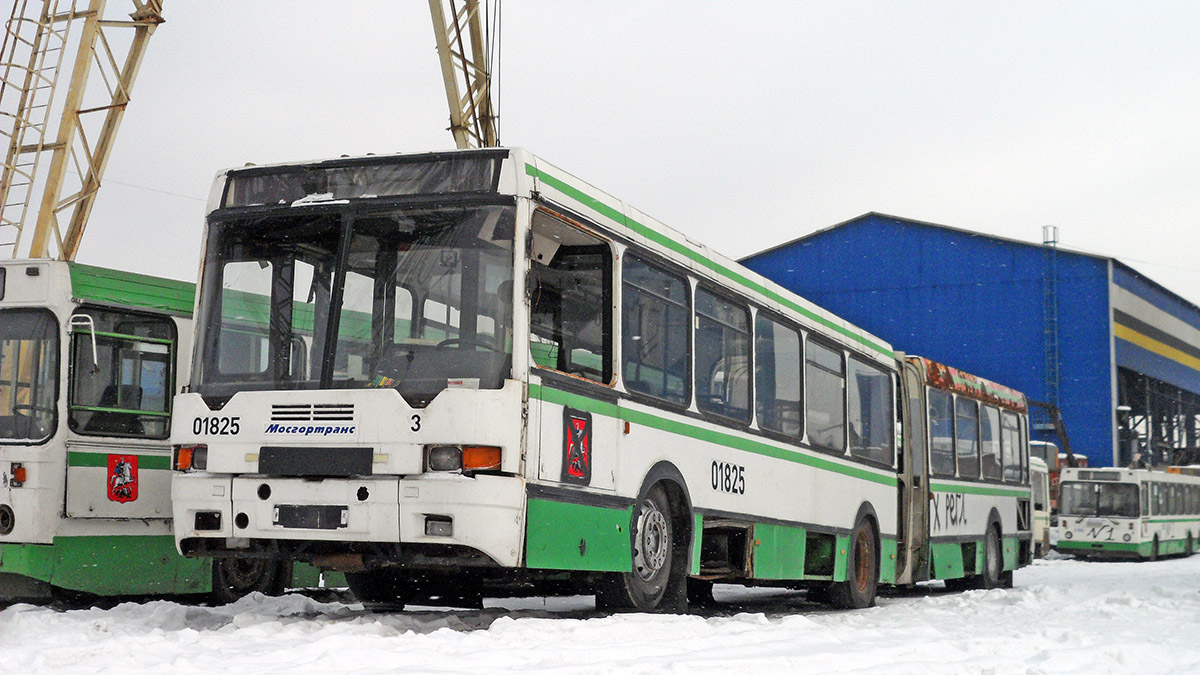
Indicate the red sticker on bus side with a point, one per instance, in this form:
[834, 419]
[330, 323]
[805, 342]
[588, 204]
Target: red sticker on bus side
[122, 478]
[577, 447]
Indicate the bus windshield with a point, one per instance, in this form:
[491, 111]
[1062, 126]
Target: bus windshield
[414, 298]
[28, 375]
[1099, 499]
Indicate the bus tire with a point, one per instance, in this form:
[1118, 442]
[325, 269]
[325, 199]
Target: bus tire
[993, 561]
[378, 588]
[657, 581]
[235, 578]
[862, 569]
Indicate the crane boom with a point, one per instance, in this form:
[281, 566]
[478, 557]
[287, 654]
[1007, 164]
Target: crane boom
[466, 74]
[38, 39]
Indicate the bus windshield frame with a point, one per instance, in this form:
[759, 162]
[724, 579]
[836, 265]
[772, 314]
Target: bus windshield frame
[413, 294]
[1094, 498]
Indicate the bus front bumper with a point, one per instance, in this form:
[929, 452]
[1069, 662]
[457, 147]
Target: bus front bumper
[484, 512]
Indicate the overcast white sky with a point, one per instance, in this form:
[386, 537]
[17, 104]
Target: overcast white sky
[742, 124]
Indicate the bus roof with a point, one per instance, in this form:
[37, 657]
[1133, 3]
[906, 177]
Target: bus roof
[952, 379]
[128, 289]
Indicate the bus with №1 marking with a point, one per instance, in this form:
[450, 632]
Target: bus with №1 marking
[470, 372]
[1129, 513]
[89, 361]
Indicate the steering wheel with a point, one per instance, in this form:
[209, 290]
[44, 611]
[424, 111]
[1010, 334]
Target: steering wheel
[467, 341]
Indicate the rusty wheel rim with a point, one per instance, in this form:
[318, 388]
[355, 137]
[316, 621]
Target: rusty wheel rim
[862, 560]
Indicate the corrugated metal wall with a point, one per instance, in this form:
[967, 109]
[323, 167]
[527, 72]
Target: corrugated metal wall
[968, 300]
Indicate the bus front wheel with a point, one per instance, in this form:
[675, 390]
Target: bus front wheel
[233, 578]
[657, 581]
[862, 570]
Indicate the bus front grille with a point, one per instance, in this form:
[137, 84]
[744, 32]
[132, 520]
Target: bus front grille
[312, 412]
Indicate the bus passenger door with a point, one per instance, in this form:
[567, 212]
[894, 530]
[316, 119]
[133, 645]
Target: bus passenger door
[914, 481]
[570, 291]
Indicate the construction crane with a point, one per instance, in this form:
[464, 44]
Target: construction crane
[467, 74]
[60, 134]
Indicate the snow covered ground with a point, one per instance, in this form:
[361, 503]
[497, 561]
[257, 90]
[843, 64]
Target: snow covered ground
[1064, 616]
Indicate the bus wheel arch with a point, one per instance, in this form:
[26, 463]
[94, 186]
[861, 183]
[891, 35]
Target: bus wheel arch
[662, 514]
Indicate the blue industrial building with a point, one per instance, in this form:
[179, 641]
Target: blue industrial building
[1116, 352]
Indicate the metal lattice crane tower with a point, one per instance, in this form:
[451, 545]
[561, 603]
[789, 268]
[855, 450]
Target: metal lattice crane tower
[467, 74]
[60, 134]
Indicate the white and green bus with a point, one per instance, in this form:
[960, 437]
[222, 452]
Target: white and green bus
[90, 359]
[1130, 513]
[466, 372]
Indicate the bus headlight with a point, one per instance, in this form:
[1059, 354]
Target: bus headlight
[444, 458]
[1126, 537]
[1068, 534]
[191, 457]
[464, 458]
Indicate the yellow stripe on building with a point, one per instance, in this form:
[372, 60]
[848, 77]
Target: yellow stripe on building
[1145, 342]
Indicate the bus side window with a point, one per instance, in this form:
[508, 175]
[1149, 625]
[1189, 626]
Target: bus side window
[825, 384]
[870, 417]
[722, 344]
[941, 433]
[1010, 446]
[655, 331]
[777, 377]
[570, 300]
[966, 437]
[990, 442]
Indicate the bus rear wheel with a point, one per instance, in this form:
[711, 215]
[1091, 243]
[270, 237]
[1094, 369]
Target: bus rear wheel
[993, 561]
[862, 570]
[234, 578]
[657, 581]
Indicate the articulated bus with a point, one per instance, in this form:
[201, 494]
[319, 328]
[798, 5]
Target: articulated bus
[89, 361]
[1130, 513]
[466, 372]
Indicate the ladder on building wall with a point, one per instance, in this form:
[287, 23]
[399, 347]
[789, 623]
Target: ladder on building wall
[1050, 311]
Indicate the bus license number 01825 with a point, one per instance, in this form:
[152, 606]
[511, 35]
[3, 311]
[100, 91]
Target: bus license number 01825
[728, 478]
[216, 426]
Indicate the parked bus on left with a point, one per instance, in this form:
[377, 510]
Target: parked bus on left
[90, 359]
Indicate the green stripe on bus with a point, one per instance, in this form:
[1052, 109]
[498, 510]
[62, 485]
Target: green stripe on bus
[1133, 547]
[691, 431]
[565, 536]
[100, 459]
[665, 241]
[980, 490]
[110, 565]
